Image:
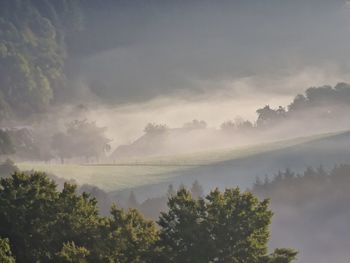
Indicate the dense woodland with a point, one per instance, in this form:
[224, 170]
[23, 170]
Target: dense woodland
[39, 223]
[303, 203]
[317, 189]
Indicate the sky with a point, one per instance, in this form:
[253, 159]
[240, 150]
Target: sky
[214, 60]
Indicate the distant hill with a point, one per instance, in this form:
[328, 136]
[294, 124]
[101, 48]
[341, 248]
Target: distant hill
[150, 177]
[326, 150]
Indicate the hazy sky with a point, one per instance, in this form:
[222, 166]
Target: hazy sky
[217, 59]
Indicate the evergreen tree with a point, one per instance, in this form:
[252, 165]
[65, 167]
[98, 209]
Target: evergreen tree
[132, 202]
[196, 190]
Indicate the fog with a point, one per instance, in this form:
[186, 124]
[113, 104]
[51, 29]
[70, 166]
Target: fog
[173, 92]
[195, 47]
[231, 100]
[173, 62]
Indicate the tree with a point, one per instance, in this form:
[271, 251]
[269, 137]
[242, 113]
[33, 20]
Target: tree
[281, 255]
[182, 238]
[238, 125]
[170, 191]
[26, 144]
[5, 251]
[128, 238]
[196, 190]
[268, 116]
[76, 219]
[132, 202]
[152, 128]
[26, 213]
[46, 225]
[71, 253]
[228, 126]
[81, 139]
[38, 219]
[227, 226]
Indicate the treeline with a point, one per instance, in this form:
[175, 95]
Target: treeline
[152, 207]
[311, 211]
[79, 140]
[38, 223]
[314, 185]
[325, 102]
[324, 189]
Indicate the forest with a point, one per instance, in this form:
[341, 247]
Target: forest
[41, 224]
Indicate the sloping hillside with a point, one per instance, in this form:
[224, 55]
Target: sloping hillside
[326, 150]
[222, 168]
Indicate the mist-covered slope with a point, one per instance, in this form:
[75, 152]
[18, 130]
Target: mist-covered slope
[242, 171]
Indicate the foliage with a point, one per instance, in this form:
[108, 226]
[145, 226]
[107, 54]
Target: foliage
[237, 125]
[324, 102]
[196, 190]
[5, 252]
[281, 255]
[45, 225]
[152, 128]
[38, 219]
[33, 52]
[128, 238]
[268, 116]
[312, 185]
[29, 145]
[132, 201]
[227, 226]
[71, 253]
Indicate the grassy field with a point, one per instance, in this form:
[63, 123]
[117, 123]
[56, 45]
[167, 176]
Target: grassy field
[107, 177]
[132, 174]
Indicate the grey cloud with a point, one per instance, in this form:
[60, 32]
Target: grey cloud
[174, 46]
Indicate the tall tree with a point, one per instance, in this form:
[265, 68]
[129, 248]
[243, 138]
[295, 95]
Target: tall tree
[227, 226]
[196, 190]
[128, 238]
[38, 219]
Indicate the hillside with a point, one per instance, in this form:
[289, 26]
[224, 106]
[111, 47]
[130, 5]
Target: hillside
[228, 167]
[326, 150]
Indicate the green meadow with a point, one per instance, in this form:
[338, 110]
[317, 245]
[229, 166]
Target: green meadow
[148, 171]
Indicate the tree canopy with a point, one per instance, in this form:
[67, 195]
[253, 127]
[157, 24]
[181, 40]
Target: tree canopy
[42, 224]
[227, 226]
